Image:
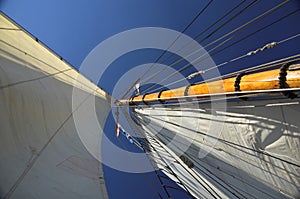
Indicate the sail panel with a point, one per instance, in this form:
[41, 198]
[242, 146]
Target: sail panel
[40, 151]
[244, 148]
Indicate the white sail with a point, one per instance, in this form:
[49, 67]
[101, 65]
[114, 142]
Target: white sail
[41, 155]
[244, 149]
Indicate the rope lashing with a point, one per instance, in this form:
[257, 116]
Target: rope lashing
[282, 80]
[186, 91]
[237, 84]
[238, 81]
[265, 47]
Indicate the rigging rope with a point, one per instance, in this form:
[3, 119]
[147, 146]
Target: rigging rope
[201, 33]
[133, 128]
[219, 170]
[247, 36]
[149, 181]
[253, 33]
[157, 132]
[263, 15]
[279, 169]
[222, 149]
[258, 68]
[185, 29]
[165, 51]
[210, 34]
[267, 46]
[290, 38]
[211, 173]
[234, 187]
[209, 191]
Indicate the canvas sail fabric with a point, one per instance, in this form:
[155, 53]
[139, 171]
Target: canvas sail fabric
[233, 146]
[41, 153]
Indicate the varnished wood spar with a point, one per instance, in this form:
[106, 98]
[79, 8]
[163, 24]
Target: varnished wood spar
[267, 80]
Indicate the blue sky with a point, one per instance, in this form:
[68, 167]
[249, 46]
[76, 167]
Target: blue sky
[73, 28]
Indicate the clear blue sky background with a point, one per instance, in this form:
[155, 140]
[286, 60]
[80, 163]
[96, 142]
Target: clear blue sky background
[72, 28]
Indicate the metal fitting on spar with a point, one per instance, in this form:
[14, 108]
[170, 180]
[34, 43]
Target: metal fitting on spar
[195, 74]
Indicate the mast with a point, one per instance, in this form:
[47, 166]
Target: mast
[287, 77]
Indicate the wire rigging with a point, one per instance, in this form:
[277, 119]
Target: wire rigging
[215, 176]
[263, 15]
[253, 33]
[271, 64]
[182, 32]
[205, 30]
[255, 68]
[267, 46]
[149, 181]
[207, 187]
[268, 65]
[210, 34]
[227, 143]
[279, 169]
[133, 127]
[168, 138]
